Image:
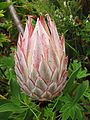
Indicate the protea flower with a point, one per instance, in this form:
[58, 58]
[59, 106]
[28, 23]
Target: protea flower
[40, 61]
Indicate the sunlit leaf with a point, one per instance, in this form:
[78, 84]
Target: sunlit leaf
[1, 13]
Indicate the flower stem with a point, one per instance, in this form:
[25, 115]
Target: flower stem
[41, 105]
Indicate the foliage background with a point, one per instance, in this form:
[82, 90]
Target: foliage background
[72, 17]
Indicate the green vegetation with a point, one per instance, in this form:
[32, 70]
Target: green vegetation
[72, 17]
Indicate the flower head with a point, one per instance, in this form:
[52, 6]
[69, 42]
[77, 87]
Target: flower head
[40, 61]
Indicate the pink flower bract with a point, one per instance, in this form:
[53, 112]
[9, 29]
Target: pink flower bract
[40, 60]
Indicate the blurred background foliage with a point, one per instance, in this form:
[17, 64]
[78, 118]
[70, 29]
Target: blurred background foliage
[72, 17]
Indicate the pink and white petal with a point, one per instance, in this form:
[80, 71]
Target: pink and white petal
[26, 89]
[52, 87]
[30, 26]
[37, 53]
[36, 50]
[53, 59]
[20, 78]
[41, 84]
[45, 47]
[44, 38]
[55, 75]
[21, 62]
[43, 22]
[27, 35]
[33, 75]
[46, 96]
[37, 91]
[47, 44]
[17, 64]
[60, 86]
[54, 35]
[63, 42]
[20, 40]
[45, 71]
[65, 63]
[63, 77]
[30, 84]
[62, 59]
[34, 96]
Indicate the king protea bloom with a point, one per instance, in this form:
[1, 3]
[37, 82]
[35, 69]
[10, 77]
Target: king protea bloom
[40, 60]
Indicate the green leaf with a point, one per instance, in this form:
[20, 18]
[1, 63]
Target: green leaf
[71, 80]
[72, 48]
[79, 115]
[15, 91]
[20, 116]
[70, 110]
[73, 66]
[3, 38]
[11, 107]
[65, 106]
[4, 115]
[87, 92]
[29, 115]
[67, 109]
[82, 73]
[80, 91]
[1, 13]
[49, 114]
[4, 5]
[7, 62]
[65, 115]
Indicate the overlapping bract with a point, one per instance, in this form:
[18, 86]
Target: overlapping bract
[40, 61]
